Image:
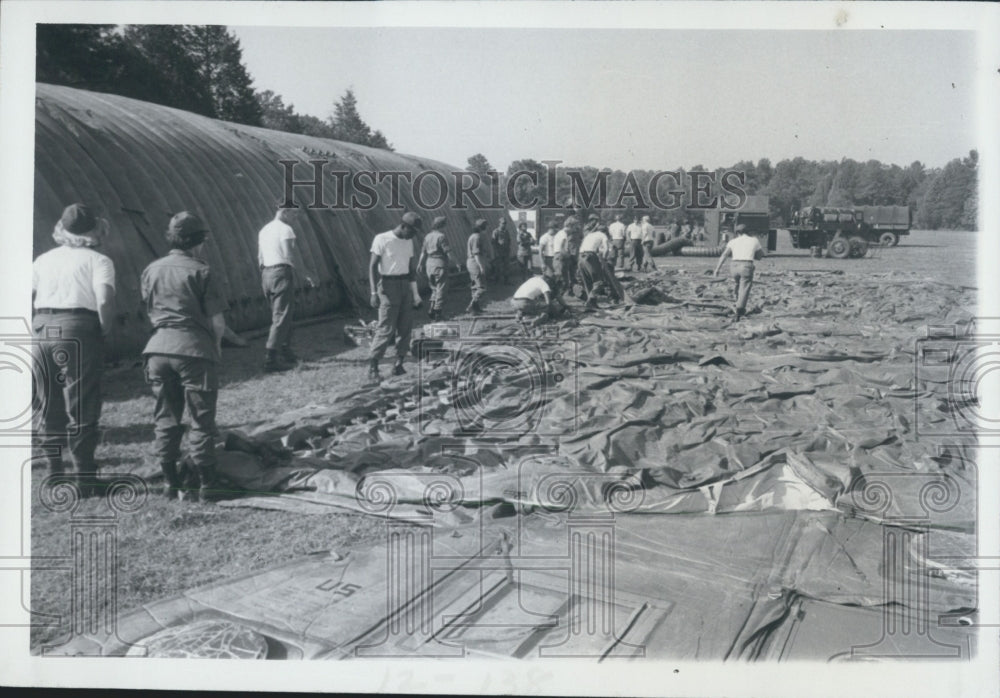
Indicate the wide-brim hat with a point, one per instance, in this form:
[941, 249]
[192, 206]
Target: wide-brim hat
[79, 227]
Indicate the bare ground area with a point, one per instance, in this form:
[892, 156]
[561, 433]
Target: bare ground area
[166, 547]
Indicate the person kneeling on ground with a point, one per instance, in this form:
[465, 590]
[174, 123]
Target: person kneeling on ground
[182, 357]
[744, 249]
[392, 274]
[538, 296]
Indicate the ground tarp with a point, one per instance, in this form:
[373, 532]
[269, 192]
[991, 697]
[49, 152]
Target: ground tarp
[731, 484]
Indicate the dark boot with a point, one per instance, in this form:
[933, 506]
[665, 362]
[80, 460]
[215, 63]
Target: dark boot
[212, 488]
[397, 369]
[273, 363]
[89, 484]
[373, 374]
[172, 486]
[288, 356]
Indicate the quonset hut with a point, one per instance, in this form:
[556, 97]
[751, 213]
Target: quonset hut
[140, 163]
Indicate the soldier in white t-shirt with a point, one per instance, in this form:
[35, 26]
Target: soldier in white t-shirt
[616, 231]
[279, 258]
[73, 292]
[744, 249]
[392, 273]
[539, 296]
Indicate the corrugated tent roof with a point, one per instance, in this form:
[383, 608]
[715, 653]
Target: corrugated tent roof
[140, 163]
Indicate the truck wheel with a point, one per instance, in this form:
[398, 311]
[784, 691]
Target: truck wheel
[859, 246]
[888, 239]
[839, 248]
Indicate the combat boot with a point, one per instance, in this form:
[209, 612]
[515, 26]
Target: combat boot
[397, 369]
[172, 486]
[288, 356]
[212, 489]
[373, 374]
[273, 363]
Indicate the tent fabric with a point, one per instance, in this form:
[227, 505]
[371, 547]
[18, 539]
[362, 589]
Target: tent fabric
[140, 163]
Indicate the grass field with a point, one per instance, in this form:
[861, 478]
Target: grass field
[167, 547]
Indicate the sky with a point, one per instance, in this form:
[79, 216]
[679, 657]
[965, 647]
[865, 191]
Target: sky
[635, 99]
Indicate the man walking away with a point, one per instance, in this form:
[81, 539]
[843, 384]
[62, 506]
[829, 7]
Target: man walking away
[182, 356]
[73, 292]
[524, 243]
[476, 265]
[634, 232]
[393, 280]
[648, 237]
[593, 250]
[545, 249]
[617, 232]
[435, 257]
[744, 249]
[279, 258]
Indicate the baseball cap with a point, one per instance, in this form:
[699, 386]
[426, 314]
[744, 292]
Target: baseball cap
[438, 222]
[186, 230]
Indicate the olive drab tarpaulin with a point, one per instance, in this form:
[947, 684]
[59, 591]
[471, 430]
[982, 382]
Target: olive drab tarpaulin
[765, 482]
[140, 163]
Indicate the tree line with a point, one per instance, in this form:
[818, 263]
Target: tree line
[941, 198]
[198, 68]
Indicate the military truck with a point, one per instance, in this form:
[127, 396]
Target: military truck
[754, 214]
[849, 232]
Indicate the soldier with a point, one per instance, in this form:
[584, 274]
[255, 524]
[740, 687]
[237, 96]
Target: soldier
[500, 239]
[538, 296]
[393, 280]
[435, 257]
[182, 357]
[564, 253]
[648, 237]
[744, 249]
[593, 220]
[617, 233]
[545, 249]
[476, 265]
[594, 248]
[278, 257]
[73, 292]
[634, 232]
[524, 243]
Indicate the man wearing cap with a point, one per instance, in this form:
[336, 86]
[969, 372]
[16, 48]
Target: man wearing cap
[593, 250]
[393, 279]
[501, 251]
[634, 232]
[539, 295]
[476, 264]
[182, 357]
[648, 237]
[73, 293]
[616, 232]
[545, 249]
[524, 242]
[278, 257]
[435, 256]
[744, 249]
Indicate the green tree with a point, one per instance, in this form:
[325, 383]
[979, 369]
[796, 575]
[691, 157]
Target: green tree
[220, 62]
[348, 125]
[276, 115]
[479, 164]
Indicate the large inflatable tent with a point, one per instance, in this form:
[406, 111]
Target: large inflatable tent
[140, 163]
